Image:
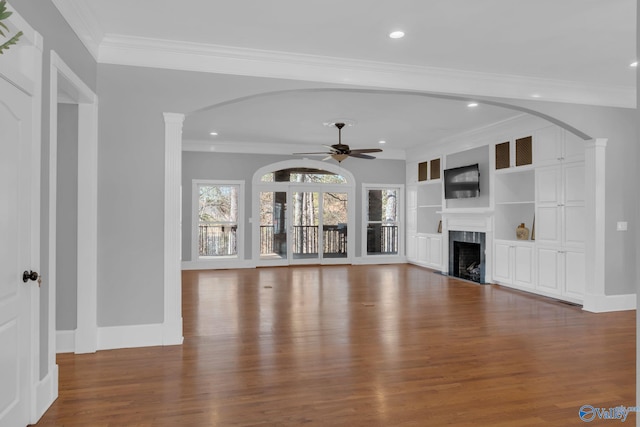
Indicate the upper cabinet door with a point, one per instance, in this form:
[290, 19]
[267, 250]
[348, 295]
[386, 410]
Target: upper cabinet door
[549, 185]
[574, 147]
[548, 146]
[574, 179]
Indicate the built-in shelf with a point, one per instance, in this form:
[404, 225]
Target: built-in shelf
[518, 169]
[430, 206]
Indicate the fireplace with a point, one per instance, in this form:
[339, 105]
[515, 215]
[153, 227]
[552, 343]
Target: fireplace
[467, 255]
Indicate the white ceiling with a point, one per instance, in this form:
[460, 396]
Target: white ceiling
[582, 45]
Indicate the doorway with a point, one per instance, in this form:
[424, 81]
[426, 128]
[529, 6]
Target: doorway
[313, 229]
[305, 214]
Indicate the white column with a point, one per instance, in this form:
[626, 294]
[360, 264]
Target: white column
[172, 327]
[595, 224]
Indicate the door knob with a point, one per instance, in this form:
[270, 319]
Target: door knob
[29, 275]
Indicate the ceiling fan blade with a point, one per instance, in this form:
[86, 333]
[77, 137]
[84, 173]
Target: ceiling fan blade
[366, 150]
[360, 156]
[321, 152]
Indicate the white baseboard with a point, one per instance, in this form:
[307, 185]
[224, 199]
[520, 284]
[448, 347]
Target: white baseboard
[379, 259]
[217, 264]
[46, 392]
[130, 336]
[65, 341]
[606, 303]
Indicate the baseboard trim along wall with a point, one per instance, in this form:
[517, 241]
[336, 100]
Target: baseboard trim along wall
[217, 264]
[606, 303]
[65, 341]
[380, 259]
[130, 336]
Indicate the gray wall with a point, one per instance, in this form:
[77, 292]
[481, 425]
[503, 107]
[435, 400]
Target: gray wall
[67, 219]
[57, 35]
[220, 166]
[131, 177]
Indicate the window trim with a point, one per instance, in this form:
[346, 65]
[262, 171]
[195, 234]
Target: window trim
[365, 219]
[195, 199]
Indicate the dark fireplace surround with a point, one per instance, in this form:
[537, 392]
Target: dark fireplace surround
[467, 258]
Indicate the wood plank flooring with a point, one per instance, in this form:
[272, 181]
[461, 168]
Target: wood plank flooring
[384, 345]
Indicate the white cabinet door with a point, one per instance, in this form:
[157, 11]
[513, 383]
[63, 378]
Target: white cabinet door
[422, 248]
[435, 251]
[549, 185]
[574, 148]
[523, 266]
[574, 226]
[502, 262]
[574, 274]
[548, 264]
[573, 180]
[548, 225]
[547, 146]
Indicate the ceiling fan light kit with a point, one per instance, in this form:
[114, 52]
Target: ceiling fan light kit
[341, 151]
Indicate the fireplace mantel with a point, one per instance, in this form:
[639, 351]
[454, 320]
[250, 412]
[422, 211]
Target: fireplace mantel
[476, 219]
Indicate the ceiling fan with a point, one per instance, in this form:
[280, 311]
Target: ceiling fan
[341, 151]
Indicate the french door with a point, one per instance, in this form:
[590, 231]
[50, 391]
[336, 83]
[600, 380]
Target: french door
[304, 225]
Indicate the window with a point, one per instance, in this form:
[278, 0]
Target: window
[383, 212]
[217, 215]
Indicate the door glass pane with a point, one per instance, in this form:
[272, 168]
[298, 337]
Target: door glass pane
[334, 219]
[382, 226]
[217, 220]
[273, 225]
[304, 242]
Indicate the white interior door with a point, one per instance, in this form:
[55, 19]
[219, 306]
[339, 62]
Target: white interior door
[16, 249]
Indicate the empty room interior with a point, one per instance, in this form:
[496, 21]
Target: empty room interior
[326, 213]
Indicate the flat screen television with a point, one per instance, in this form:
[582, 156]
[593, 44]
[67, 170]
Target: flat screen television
[462, 182]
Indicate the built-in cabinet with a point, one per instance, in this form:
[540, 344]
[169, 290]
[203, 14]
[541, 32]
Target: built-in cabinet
[424, 241]
[560, 223]
[513, 263]
[538, 180]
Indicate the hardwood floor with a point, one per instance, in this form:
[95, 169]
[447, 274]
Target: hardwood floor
[385, 345]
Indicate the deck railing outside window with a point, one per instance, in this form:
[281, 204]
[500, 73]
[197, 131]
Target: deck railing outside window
[217, 239]
[382, 239]
[305, 239]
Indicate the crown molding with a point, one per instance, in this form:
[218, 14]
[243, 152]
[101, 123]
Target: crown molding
[167, 54]
[264, 148]
[83, 22]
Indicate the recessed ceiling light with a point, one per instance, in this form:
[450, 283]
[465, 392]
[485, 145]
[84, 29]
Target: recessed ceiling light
[472, 104]
[382, 142]
[396, 34]
[634, 64]
[535, 95]
[213, 133]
